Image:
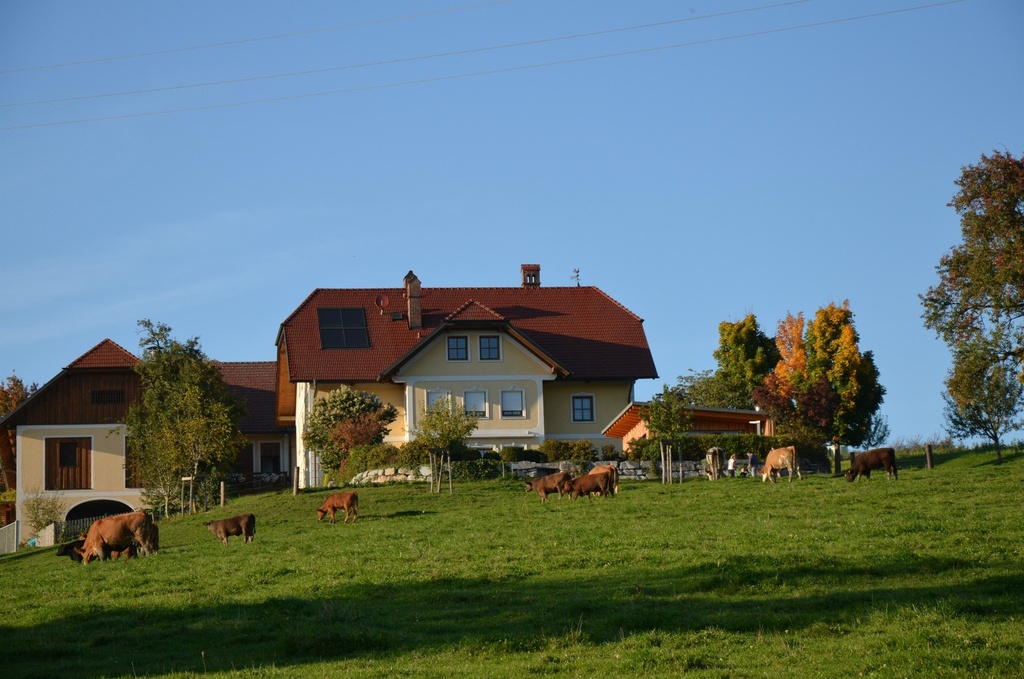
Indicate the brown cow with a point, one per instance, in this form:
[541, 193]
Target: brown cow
[347, 501]
[548, 484]
[129, 552]
[599, 484]
[612, 471]
[154, 538]
[878, 458]
[243, 524]
[777, 460]
[117, 533]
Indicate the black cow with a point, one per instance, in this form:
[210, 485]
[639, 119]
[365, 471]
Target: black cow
[878, 458]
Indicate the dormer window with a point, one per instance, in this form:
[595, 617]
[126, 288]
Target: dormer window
[490, 348]
[458, 348]
[342, 329]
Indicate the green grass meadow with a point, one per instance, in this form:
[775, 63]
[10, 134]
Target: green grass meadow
[921, 577]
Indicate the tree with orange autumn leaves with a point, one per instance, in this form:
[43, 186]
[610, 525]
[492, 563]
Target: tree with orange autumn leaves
[13, 392]
[823, 389]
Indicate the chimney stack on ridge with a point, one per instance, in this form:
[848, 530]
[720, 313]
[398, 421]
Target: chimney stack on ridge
[412, 297]
[531, 275]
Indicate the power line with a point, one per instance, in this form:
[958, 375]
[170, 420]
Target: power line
[243, 41]
[391, 62]
[474, 74]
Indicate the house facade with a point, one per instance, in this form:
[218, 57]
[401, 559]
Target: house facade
[533, 363]
[66, 440]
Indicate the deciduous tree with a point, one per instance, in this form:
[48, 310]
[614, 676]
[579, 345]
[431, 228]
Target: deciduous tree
[345, 418]
[13, 393]
[668, 418]
[981, 280]
[187, 420]
[823, 389]
[745, 357]
[977, 307]
[441, 426]
[984, 396]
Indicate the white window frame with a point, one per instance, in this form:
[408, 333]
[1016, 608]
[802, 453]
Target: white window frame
[522, 399]
[485, 413]
[593, 407]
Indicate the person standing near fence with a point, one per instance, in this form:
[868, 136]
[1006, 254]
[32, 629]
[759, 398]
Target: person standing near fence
[752, 464]
[730, 468]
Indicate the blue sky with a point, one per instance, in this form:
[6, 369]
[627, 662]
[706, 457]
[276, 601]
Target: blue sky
[207, 165]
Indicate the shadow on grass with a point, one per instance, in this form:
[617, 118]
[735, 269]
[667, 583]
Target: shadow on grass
[348, 621]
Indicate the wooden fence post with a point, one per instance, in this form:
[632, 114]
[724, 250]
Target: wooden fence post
[928, 456]
[223, 493]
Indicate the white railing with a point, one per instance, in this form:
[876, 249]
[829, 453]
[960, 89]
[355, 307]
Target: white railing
[9, 538]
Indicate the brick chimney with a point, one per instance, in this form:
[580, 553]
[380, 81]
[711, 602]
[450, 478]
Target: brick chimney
[531, 275]
[412, 297]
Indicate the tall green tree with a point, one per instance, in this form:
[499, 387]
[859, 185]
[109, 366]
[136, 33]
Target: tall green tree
[187, 420]
[984, 396]
[745, 357]
[344, 418]
[981, 280]
[977, 307]
[668, 417]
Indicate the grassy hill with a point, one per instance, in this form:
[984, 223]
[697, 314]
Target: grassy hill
[817, 578]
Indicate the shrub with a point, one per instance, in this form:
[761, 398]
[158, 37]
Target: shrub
[376, 456]
[555, 450]
[41, 511]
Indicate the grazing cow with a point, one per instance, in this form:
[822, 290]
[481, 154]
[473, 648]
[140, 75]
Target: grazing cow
[714, 460]
[878, 458]
[243, 524]
[129, 552]
[777, 460]
[347, 501]
[551, 483]
[72, 549]
[612, 471]
[599, 484]
[117, 533]
[154, 538]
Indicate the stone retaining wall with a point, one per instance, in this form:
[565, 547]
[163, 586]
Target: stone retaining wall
[629, 471]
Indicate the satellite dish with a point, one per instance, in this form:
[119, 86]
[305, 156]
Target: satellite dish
[381, 302]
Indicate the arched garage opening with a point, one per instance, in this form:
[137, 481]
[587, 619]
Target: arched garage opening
[94, 508]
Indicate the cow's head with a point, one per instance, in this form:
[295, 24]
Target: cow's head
[320, 514]
[529, 486]
[850, 475]
[87, 556]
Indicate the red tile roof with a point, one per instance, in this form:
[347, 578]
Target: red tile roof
[584, 330]
[254, 382]
[106, 354]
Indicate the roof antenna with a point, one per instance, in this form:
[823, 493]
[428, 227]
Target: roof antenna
[575, 276]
